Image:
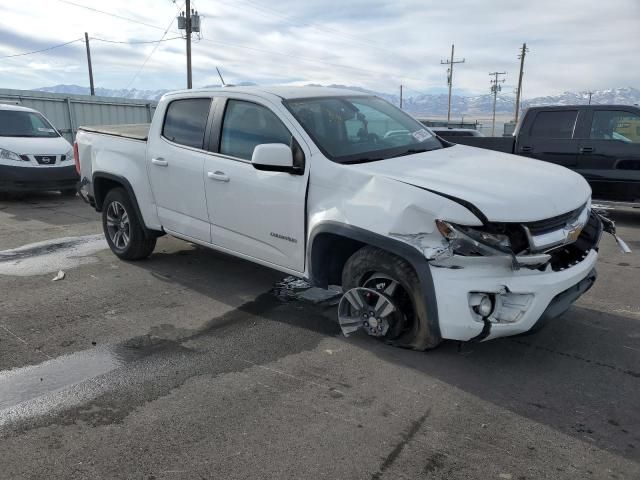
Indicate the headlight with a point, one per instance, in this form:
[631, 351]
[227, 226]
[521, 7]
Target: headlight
[472, 241]
[9, 155]
[68, 155]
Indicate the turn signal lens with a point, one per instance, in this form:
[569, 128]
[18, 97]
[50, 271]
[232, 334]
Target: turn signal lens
[445, 229]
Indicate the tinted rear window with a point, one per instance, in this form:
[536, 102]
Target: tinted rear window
[186, 121]
[558, 124]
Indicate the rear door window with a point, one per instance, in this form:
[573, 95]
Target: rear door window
[554, 124]
[186, 121]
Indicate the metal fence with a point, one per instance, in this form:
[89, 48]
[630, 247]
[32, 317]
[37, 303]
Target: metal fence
[67, 112]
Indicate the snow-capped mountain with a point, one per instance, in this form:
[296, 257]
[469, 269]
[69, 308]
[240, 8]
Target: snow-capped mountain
[619, 96]
[419, 105]
[133, 93]
[105, 92]
[436, 105]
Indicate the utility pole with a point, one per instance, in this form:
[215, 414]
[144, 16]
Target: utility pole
[590, 95]
[523, 52]
[190, 24]
[400, 96]
[451, 63]
[495, 88]
[188, 32]
[86, 41]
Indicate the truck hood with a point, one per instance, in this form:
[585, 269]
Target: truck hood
[505, 188]
[35, 145]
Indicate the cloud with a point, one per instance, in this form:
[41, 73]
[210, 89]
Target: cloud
[377, 44]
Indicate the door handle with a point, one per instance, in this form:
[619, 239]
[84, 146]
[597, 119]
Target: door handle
[218, 175]
[161, 162]
[586, 149]
[526, 148]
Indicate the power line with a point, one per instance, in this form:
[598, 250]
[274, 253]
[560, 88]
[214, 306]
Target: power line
[291, 21]
[244, 47]
[419, 92]
[114, 15]
[309, 59]
[43, 49]
[152, 51]
[135, 42]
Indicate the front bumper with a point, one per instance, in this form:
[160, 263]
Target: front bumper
[549, 293]
[564, 300]
[523, 299]
[28, 179]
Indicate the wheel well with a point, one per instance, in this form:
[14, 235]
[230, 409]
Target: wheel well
[102, 186]
[332, 243]
[329, 253]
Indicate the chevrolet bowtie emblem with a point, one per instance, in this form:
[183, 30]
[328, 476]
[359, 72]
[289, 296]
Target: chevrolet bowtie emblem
[573, 233]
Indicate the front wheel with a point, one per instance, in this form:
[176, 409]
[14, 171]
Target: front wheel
[383, 297]
[123, 229]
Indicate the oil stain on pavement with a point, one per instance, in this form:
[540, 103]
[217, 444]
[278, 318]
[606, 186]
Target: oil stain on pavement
[51, 255]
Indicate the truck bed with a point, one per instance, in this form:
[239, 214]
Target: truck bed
[132, 131]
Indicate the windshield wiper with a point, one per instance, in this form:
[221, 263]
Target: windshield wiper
[362, 160]
[411, 151]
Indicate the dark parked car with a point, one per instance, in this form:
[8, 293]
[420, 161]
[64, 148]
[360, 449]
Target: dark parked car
[601, 142]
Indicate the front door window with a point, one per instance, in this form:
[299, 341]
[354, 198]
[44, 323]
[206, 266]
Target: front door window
[615, 125]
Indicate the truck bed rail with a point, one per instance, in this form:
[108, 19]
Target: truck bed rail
[133, 131]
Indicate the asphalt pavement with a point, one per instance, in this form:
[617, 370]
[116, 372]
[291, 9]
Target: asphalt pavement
[186, 365]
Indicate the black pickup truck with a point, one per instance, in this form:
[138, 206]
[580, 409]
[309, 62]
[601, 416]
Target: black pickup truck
[601, 142]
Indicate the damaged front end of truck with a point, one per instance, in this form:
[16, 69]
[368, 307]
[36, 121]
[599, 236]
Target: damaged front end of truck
[496, 248]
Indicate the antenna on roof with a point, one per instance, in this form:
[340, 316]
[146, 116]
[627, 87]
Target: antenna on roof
[220, 75]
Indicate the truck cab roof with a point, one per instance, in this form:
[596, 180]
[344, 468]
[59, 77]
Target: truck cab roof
[283, 92]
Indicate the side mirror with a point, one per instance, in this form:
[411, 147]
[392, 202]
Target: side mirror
[273, 157]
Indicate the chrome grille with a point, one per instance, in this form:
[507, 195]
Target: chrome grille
[560, 230]
[554, 223]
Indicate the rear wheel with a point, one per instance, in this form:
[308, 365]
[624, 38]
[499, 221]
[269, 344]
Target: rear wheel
[384, 298]
[123, 229]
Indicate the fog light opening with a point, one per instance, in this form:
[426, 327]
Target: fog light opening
[482, 304]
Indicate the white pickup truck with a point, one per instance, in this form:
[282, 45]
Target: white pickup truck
[429, 240]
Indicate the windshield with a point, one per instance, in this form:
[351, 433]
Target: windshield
[14, 123]
[360, 129]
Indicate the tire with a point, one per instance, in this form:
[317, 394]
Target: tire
[118, 214]
[369, 261]
[69, 192]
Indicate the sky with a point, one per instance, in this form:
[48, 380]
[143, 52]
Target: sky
[575, 45]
